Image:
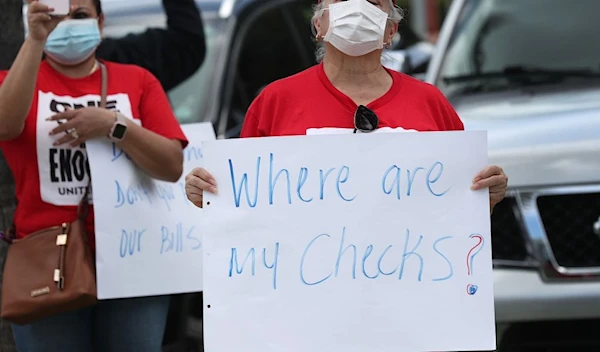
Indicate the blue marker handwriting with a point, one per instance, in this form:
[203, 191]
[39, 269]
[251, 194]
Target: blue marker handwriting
[393, 181]
[131, 242]
[148, 193]
[242, 261]
[369, 262]
[170, 239]
[179, 238]
[252, 187]
[415, 258]
[192, 153]
[117, 153]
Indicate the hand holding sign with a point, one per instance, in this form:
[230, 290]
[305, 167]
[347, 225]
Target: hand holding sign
[326, 229]
[198, 181]
[494, 178]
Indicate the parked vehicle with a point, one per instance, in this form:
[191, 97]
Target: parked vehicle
[528, 72]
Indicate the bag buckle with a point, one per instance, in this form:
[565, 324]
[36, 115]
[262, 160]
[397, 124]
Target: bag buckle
[61, 240]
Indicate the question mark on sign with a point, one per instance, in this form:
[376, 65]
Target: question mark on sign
[472, 289]
[473, 252]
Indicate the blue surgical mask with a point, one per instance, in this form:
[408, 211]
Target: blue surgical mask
[73, 41]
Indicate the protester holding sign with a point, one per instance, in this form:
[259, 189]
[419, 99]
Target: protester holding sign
[355, 93]
[48, 109]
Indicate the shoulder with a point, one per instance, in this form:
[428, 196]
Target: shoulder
[431, 96]
[283, 90]
[292, 84]
[418, 88]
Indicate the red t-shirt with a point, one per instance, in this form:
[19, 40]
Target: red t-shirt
[307, 103]
[50, 181]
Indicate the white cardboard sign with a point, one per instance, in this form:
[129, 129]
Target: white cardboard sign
[148, 239]
[353, 243]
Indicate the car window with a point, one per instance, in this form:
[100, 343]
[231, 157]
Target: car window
[190, 99]
[276, 44]
[493, 35]
[269, 51]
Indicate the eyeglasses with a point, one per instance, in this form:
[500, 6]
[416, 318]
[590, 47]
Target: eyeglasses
[365, 120]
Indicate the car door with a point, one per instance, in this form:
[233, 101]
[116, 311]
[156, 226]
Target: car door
[273, 40]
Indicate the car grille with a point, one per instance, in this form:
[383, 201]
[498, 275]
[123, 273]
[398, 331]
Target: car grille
[507, 238]
[568, 221]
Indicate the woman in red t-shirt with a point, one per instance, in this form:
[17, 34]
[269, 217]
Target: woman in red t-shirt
[350, 91]
[48, 110]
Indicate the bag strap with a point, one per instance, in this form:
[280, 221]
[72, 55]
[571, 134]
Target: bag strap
[83, 207]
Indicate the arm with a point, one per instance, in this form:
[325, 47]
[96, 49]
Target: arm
[159, 157]
[172, 54]
[156, 147]
[16, 92]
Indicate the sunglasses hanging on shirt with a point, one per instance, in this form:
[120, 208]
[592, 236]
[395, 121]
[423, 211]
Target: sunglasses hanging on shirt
[365, 120]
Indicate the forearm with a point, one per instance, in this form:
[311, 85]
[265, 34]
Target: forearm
[159, 157]
[16, 93]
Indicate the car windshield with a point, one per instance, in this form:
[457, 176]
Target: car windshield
[499, 44]
[191, 100]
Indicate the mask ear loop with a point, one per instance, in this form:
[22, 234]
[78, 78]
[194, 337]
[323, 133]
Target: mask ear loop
[319, 37]
[388, 45]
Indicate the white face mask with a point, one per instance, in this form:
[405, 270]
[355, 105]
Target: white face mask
[356, 27]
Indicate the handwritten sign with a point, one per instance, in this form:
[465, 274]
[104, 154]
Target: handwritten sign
[351, 243]
[147, 232]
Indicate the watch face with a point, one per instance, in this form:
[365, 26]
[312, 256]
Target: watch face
[119, 131]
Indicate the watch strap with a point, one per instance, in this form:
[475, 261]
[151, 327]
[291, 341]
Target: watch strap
[119, 128]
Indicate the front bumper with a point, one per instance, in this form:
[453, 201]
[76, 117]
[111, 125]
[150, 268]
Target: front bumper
[521, 295]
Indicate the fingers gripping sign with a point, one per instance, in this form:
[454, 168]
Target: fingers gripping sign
[494, 178]
[198, 181]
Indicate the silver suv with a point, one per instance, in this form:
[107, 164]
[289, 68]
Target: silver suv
[528, 72]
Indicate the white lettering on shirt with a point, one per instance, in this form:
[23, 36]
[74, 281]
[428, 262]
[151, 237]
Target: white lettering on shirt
[64, 171]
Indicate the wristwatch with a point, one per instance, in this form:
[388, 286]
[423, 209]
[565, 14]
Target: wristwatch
[119, 128]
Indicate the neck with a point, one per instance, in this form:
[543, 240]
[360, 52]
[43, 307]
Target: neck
[342, 69]
[81, 70]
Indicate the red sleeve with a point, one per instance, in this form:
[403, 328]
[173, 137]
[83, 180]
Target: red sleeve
[449, 118]
[251, 122]
[453, 121]
[156, 114]
[250, 127]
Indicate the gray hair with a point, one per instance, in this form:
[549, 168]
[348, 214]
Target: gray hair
[396, 15]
